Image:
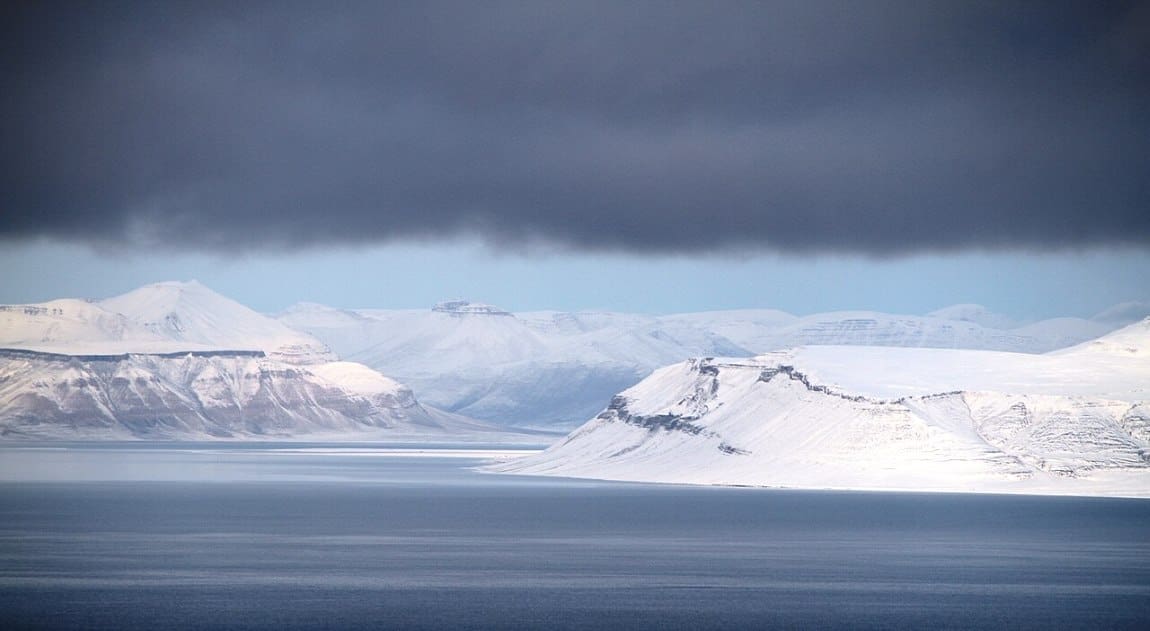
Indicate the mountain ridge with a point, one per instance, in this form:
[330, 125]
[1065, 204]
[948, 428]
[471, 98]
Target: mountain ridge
[501, 369]
[176, 360]
[1072, 422]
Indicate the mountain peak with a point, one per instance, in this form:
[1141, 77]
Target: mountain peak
[160, 300]
[466, 307]
[180, 286]
[188, 311]
[176, 283]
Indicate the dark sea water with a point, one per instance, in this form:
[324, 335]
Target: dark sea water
[296, 536]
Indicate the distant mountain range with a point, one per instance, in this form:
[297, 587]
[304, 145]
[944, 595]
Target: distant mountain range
[1074, 421]
[551, 369]
[176, 360]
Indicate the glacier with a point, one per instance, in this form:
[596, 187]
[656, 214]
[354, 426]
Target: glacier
[1073, 421]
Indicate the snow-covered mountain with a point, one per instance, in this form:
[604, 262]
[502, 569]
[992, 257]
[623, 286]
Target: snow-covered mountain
[557, 368]
[869, 328]
[189, 312]
[160, 318]
[538, 368]
[178, 360]
[77, 326]
[203, 394]
[1075, 421]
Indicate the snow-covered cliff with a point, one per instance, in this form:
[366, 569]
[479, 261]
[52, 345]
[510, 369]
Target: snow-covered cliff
[1074, 421]
[188, 395]
[177, 360]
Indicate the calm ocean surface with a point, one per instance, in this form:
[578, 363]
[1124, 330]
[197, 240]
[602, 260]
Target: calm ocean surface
[139, 536]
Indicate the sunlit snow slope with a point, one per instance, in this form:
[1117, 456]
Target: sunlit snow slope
[1074, 421]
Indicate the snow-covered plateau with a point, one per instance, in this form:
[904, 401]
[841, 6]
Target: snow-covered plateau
[556, 369]
[1074, 421]
[177, 360]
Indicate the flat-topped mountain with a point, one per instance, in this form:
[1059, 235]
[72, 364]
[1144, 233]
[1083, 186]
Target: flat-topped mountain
[465, 307]
[1075, 421]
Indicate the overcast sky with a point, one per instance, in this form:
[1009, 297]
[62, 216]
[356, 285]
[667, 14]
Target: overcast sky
[645, 156]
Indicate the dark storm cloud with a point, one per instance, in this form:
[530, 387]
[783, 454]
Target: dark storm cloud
[872, 127]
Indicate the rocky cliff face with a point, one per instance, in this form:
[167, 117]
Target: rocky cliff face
[219, 394]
